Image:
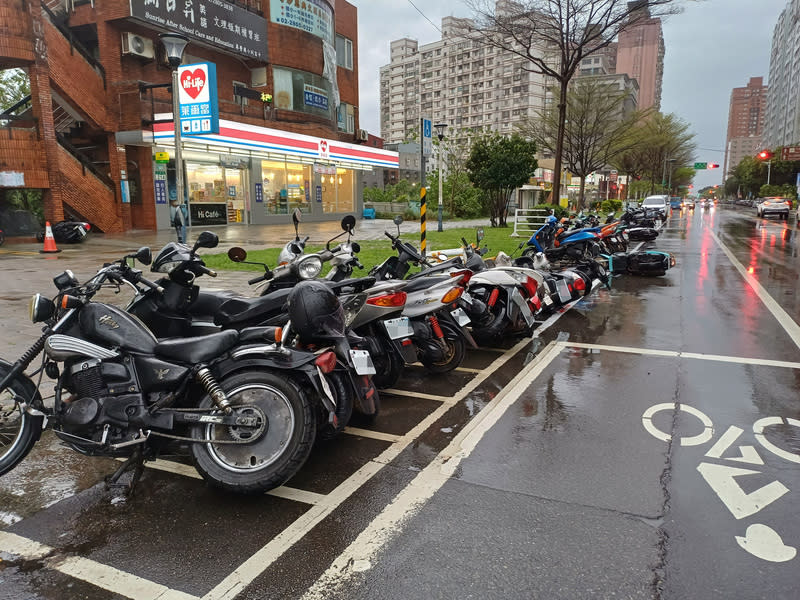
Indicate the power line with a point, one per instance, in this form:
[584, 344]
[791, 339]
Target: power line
[424, 15]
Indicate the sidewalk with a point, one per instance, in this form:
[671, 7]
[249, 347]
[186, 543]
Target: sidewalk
[250, 237]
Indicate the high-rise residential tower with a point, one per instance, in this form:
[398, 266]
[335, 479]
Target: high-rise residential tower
[782, 125]
[640, 54]
[745, 122]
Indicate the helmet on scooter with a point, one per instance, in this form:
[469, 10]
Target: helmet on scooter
[315, 312]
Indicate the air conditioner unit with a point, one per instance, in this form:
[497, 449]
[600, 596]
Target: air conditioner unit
[362, 135]
[137, 45]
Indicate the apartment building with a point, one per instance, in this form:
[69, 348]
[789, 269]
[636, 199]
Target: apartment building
[746, 117]
[458, 81]
[782, 125]
[640, 54]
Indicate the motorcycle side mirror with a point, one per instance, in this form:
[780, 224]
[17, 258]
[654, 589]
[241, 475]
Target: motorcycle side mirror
[143, 255]
[479, 235]
[237, 254]
[356, 247]
[348, 223]
[206, 240]
[398, 220]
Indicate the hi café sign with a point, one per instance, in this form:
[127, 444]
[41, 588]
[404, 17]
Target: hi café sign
[790, 153]
[197, 95]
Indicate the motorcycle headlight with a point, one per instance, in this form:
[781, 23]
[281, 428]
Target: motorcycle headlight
[309, 267]
[41, 308]
[167, 267]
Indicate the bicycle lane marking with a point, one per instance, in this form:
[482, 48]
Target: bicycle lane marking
[789, 325]
[759, 540]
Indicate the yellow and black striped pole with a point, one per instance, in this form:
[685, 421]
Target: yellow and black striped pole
[423, 207]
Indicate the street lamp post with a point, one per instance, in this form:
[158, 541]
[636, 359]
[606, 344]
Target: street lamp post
[174, 45]
[669, 186]
[440, 127]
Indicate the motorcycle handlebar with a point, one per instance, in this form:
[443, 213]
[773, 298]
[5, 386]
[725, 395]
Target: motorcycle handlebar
[138, 278]
[207, 271]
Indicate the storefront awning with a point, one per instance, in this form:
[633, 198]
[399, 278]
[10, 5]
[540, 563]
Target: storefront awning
[262, 142]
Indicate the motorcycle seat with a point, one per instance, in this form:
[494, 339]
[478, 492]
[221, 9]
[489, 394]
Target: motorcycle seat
[242, 311]
[422, 283]
[197, 349]
[351, 286]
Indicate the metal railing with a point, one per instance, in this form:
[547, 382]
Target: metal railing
[86, 163]
[74, 43]
[528, 220]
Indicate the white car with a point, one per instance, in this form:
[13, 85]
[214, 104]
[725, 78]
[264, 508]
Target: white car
[774, 206]
[659, 202]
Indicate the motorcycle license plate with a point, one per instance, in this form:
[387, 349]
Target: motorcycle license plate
[460, 316]
[362, 361]
[563, 291]
[398, 328]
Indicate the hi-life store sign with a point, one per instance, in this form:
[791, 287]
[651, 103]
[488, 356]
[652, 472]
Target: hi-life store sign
[197, 95]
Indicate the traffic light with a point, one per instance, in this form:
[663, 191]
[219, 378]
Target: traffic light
[712, 166]
[765, 154]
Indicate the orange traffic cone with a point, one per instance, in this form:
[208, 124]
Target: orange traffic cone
[49, 240]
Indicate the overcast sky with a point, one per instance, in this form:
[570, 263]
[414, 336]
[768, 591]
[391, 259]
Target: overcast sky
[712, 47]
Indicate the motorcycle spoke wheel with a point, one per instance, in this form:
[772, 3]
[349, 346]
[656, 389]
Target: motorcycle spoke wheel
[18, 432]
[268, 453]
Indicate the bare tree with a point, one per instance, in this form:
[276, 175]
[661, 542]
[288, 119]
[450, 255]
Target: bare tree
[596, 129]
[554, 36]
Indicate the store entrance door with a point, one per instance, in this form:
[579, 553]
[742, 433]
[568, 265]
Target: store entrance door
[237, 190]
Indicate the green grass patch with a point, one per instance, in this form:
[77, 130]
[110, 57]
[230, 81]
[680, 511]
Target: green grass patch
[374, 252]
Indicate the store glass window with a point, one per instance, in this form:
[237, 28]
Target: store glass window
[338, 192]
[287, 186]
[208, 201]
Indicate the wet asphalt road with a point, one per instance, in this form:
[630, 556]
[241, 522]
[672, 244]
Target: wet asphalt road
[560, 468]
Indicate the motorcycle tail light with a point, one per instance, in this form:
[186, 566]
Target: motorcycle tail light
[326, 361]
[580, 284]
[531, 286]
[387, 300]
[467, 275]
[86, 226]
[452, 295]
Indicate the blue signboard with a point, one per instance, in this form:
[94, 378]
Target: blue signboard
[314, 96]
[259, 192]
[126, 191]
[197, 93]
[319, 193]
[161, 191]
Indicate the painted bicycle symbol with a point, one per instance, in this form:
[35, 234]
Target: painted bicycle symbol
[759, 540]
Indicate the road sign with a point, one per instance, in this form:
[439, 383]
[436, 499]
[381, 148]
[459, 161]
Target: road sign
[700, 166]
[613, 176]
[790, 153]
[427, 137]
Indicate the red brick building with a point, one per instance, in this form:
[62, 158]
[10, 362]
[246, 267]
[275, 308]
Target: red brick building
[101, 107]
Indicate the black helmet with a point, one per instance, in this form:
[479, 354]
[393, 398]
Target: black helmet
[315, 312]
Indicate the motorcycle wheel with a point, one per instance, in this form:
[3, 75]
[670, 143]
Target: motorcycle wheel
[344, 408]
[274, 452]
[19, 431]
[388, 368]
[455, 350]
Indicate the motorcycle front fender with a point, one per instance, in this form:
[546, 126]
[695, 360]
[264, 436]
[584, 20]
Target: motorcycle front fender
[23, 386]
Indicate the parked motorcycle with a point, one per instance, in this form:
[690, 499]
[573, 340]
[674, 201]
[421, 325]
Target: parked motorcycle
[67, 232]
[240, 400]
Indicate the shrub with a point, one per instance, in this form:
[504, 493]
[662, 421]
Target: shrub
[610, 205]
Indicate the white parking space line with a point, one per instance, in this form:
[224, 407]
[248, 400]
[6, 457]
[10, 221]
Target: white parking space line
[288, 493]
[98, 574]
[762, 362]
[788, 324]
[375, 435]
[468, 370]
[361, 553]
[409, 394]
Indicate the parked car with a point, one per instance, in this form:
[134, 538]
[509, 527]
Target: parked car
[774, 206]
[658, 202]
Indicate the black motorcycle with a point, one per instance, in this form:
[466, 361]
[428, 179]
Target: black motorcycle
[244, 402]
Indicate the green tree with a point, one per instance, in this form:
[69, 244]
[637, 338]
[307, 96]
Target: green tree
[497, 166]
[595, 131]
[554, 36]
[14, 86]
